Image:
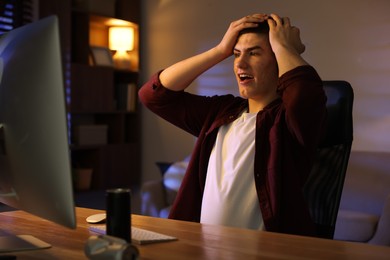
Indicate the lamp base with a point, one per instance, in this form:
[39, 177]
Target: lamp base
[122, 60]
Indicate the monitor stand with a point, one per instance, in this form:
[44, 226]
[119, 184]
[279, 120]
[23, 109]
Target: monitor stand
[21, 243]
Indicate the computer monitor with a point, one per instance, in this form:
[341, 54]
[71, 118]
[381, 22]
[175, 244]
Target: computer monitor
[35, 169]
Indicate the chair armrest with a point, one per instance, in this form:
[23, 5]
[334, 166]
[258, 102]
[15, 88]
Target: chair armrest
[382, 234]
[152, 198]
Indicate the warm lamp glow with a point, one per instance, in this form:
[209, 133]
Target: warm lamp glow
[121, 40]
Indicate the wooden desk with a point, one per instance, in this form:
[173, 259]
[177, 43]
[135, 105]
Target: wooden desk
[196, 241]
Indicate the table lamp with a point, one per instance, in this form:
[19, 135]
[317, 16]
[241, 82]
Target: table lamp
[121, 40]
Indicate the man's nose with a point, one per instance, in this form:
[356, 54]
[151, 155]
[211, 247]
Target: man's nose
[241, 62]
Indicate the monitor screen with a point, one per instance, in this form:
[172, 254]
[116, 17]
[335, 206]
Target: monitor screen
[35, 169]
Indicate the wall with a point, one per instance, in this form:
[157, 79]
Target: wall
[347, 40]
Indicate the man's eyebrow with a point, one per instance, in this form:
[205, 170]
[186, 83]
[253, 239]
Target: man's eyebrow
[249, 49]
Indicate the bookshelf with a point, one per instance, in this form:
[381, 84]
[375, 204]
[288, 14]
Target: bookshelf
[104, 133]
[103, 108]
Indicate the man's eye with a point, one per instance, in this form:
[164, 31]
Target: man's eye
[253, 53]
[236, 54]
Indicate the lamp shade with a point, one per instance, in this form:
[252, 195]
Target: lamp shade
[121, 38]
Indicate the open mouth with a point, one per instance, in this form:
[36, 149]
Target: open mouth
[245, 77]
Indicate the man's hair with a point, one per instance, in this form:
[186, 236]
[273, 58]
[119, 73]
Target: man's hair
[262, 28]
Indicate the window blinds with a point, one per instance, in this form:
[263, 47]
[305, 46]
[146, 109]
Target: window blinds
[15, 13]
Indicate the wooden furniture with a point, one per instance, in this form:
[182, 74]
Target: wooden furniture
[95, 100]
[196, 241]
[92, 98]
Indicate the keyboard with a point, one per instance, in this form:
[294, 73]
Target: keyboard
[138, 235]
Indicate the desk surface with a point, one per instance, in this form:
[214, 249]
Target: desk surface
[196, 241]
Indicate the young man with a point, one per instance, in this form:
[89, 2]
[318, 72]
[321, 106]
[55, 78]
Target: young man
[254, 152]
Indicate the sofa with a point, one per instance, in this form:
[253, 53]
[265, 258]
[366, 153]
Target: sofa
[157, 196]
[364, 214]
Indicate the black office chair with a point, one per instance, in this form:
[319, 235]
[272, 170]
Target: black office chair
[326, 180]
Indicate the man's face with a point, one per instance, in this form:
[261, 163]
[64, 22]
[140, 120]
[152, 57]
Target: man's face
[255, 67]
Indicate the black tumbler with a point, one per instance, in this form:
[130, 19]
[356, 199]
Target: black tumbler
[118, 221]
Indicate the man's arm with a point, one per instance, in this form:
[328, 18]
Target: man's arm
[286, 43]
[300, 86]
[180, 75]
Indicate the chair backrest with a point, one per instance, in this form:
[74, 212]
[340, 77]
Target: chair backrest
[326, 180]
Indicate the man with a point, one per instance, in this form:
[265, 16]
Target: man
[254, 152]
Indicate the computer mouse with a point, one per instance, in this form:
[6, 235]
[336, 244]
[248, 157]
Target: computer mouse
[96, 218]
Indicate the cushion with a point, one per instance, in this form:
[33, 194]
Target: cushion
[163, 167]
[174, 175]
[164, 213]
[355, 226]
[172, 179]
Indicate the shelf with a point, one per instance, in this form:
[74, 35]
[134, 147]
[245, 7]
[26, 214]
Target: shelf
[92, 30]
[97, 113]
[75, 147]
[98, 97]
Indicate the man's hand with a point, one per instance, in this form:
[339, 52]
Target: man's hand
[230, 38]
[283, 35]
[285, 43]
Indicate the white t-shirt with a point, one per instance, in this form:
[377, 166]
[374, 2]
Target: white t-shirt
[230, 197]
